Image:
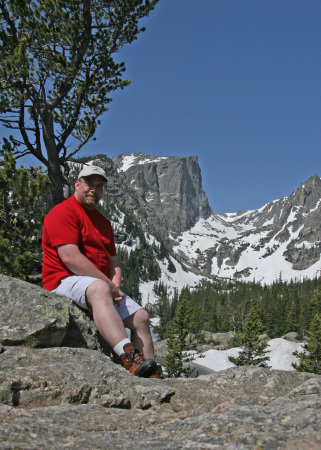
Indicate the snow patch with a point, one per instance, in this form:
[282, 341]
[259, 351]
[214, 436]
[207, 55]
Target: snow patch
[134, 160]
[280, 353]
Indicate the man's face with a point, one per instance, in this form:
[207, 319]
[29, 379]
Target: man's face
[89, 190]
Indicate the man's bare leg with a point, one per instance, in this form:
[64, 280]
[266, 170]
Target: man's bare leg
[112, 329]
[107, 320]
[141, 336]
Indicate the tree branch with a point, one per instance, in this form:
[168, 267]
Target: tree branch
[9, 21]
[68, 83]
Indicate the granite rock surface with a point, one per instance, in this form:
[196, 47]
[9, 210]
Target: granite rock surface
[63, 390]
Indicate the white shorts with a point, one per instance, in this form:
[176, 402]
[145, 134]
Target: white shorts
[74, 287]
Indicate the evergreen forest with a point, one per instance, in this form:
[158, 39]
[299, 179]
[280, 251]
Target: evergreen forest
[222, 306]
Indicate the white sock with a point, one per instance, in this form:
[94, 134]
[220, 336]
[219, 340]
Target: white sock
[119, 348]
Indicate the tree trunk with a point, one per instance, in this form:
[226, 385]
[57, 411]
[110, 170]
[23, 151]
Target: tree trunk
[56, 181]
[54, 170]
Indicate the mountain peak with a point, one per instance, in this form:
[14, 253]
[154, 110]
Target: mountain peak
[308, 193]
[171, 186]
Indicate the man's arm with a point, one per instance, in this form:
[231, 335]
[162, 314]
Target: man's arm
[78, 264]
[115, 271]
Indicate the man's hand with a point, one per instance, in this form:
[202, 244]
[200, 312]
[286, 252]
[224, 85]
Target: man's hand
[115, 276]
[117, 294]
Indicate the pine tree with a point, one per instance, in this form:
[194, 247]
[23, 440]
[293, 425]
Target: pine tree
[171, 267]
[310, 358]
[182, 342]
[162, 309]
[254, 347]
[23, 195]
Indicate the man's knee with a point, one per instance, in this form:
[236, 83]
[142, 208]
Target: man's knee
[139, 319]
[98, 291]
[143, 315]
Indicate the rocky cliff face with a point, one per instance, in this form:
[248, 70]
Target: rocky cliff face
[171, 186]
[60, 389]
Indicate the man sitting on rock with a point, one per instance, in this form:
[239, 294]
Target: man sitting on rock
[80, 262]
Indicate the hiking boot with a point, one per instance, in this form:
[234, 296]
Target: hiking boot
[158, 373]
[135, 363]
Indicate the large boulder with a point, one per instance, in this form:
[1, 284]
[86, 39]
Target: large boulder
[30, 315]
[34, 317]
[292, 336]
[51, 376]
[217, 341]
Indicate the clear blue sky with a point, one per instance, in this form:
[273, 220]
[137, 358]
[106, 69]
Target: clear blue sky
[235, 82]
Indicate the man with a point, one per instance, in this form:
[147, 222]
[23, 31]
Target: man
[80, 262]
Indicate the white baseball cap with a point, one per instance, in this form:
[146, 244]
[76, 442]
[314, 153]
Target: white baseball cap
[92, 170]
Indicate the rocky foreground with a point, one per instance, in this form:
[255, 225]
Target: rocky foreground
[61, 388]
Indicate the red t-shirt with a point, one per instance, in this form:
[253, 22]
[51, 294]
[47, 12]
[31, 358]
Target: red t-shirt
[70, 223]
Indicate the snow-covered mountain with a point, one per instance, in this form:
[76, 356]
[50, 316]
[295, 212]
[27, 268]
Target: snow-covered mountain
[165, 195]
[280, 239]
